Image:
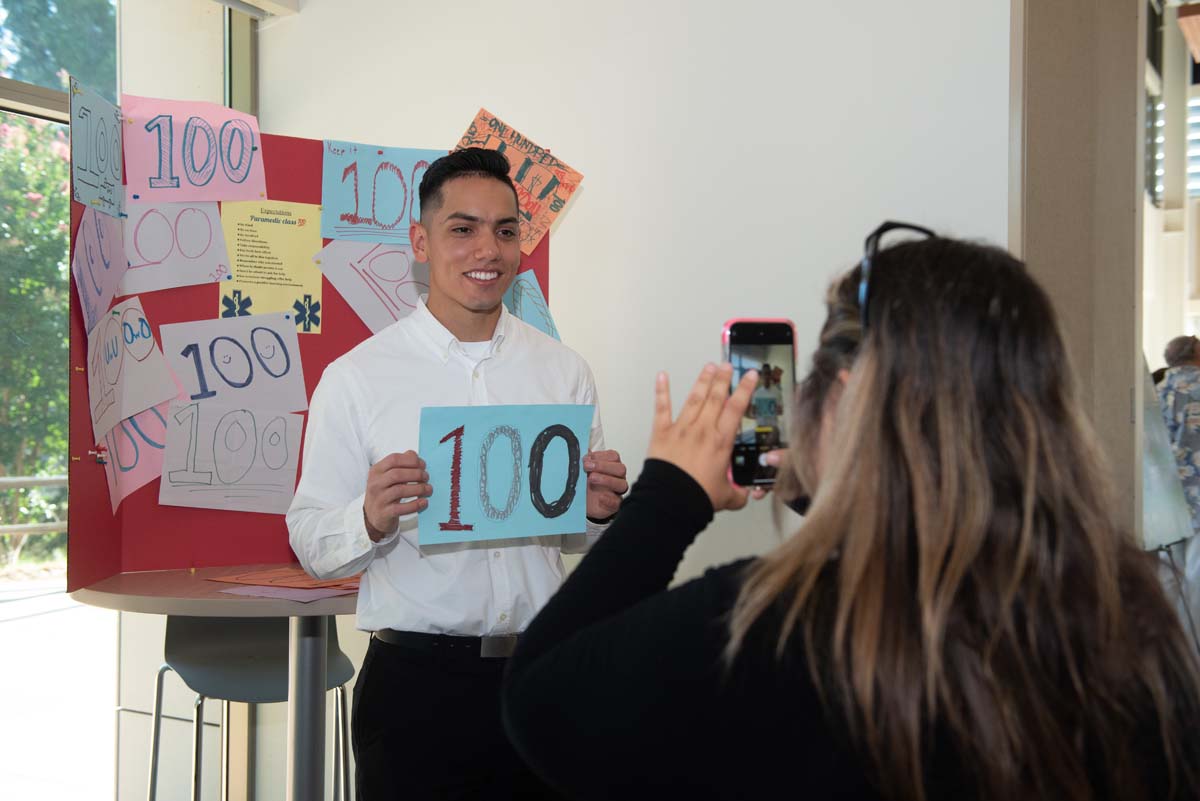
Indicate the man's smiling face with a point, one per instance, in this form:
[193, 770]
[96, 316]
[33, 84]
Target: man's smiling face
[472, 244]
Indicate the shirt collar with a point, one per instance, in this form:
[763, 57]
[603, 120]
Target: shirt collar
[444, 343]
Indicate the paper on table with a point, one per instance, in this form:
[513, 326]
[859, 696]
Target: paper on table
[524, 299]
[98, 264]
[288, 593]
[96, 172]
[544, 184]
[288, 576]
[177, 150]
[272, 245]
[381, 283]
[222, 457]
[126, 371]
[369, 192]
[243, 361]
[500, 472]
[135, 451]
[173, 244]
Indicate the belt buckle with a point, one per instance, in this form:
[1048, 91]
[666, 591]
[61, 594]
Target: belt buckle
[497, 647]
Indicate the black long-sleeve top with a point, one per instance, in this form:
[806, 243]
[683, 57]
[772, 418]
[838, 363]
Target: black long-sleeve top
[618, 689]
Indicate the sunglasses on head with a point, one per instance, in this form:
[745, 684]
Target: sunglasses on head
[871, 250]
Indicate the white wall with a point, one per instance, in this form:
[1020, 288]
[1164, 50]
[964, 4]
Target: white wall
[173, 49]
[734, 154]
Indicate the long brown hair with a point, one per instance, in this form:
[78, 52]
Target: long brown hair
[961, 579]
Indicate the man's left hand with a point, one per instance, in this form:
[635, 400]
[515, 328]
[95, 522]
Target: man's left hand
[605, 483]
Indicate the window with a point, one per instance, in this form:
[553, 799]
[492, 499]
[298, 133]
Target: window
[1154, 150]
[1154, 36]
[1193, 147]
[35, 214]
[42, 41]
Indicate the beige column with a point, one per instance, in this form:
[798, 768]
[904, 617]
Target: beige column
[1076, 200]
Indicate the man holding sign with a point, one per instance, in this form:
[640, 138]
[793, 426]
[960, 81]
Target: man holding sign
[426, 721]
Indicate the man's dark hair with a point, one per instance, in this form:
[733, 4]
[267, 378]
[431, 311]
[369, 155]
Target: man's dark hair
[471, 162]
[1181, 350]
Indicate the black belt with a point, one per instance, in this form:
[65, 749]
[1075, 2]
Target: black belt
[485, 647]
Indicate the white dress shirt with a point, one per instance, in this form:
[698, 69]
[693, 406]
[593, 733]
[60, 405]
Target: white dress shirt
[368, 405]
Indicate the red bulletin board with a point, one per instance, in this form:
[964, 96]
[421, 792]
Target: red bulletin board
[143, 535]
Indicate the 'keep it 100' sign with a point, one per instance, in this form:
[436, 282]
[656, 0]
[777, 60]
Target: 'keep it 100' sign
[501, 472]
[371, 193]
[183, 151]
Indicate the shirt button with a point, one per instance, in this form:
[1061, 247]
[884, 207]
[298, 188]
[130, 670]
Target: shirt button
[474, 374]
[496, 554]
[503, 617]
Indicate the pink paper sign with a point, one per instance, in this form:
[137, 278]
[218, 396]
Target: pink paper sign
[98, 264]
[177, 150]
[135, 452]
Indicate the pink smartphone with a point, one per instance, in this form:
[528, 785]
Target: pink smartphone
[768, 346]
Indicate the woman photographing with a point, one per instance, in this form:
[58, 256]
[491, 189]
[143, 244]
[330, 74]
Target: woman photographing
[960, 615]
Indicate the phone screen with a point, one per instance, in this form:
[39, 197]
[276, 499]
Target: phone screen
[767, 347]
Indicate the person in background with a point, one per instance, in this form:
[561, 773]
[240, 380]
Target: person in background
[961, 614]
[426, 714]
[766, 406]
[1179, 397]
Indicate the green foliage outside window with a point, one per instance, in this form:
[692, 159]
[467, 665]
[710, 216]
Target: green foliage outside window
[40, 40]
[35, 212]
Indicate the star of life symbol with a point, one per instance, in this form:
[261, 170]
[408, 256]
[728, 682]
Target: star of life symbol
[308, 313]
[235, 305]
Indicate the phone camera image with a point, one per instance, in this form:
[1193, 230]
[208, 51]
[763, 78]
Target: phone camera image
[768, 348]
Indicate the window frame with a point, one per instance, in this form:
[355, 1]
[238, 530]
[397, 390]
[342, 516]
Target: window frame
[31, 100]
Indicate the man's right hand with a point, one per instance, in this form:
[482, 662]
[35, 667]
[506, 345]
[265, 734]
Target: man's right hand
[396, 485]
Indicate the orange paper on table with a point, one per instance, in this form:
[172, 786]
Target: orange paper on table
[544, 184]
[293, 577]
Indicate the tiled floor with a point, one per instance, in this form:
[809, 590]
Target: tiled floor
[58, 679]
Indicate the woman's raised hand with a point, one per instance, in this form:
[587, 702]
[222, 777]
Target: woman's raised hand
[700, 440]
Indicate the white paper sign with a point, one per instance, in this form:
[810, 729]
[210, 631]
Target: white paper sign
[224, 457]
[97, 264]
[173, 244]
[126, 370]
[238, 361]
[96, 152]
[382, 283]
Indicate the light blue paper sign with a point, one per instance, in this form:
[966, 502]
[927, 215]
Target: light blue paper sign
[525, 300]
[500, 472]
[96, 169]
[369, 193]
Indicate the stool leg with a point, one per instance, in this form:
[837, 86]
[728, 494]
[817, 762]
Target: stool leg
[155, 726]
[224, 750]
[343, 724]
[197, 745]
[337, 748]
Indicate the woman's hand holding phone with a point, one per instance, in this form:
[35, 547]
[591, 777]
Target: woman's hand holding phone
[700, 440]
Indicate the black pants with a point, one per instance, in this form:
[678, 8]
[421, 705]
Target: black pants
[427, 726]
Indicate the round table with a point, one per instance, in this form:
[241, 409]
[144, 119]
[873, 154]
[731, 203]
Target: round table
[189, 592]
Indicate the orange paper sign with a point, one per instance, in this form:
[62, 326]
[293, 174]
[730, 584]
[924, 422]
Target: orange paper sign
[544, 184]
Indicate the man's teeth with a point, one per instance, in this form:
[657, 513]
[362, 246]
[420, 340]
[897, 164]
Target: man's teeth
[483, 275]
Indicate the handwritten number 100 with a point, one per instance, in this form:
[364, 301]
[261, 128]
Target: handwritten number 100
[384, 167]
[235, 153]
[235, 381]
[537, 458]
